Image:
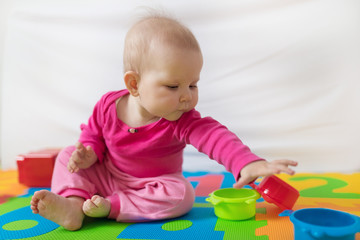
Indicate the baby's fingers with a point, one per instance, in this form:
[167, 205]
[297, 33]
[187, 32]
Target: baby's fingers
[72, 165]
[242, 182]
[285, 162]
[283, 166]
[80, 149]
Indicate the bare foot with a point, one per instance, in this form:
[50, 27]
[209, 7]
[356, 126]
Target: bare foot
[96, 207]
[66, 212]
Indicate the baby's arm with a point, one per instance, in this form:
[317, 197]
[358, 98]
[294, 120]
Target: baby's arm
[257, 169]
[83, 157]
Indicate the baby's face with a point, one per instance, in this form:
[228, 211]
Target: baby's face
[168, 84]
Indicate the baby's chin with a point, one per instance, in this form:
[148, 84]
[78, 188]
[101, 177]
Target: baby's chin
[174, 117]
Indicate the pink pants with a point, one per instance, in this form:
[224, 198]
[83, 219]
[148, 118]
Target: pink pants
[132, 199]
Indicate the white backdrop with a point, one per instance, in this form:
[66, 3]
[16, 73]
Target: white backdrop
[283, 75]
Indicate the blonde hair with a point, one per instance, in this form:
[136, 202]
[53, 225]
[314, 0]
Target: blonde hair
[151, 32]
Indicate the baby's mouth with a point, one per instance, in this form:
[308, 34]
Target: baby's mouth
[184, 109]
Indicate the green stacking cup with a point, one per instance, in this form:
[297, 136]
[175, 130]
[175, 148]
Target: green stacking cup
[234, 204]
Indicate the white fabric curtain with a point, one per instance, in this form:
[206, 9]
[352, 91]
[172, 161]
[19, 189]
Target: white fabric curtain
[283, 75]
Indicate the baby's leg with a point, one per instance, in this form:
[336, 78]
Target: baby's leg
[84, 184]
[147, 199]
[67, 184]
[66, 212]
[64, 203]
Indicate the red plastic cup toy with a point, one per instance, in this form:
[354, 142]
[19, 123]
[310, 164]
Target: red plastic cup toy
[274, 190]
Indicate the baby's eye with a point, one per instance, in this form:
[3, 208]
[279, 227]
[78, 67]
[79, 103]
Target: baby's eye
[172, 87]
[193, 86]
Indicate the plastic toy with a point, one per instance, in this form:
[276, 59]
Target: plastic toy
[324, 223]
[234, 204]
[35, 168]
[274, 190]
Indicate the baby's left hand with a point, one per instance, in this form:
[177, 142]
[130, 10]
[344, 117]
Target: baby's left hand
[263, 168]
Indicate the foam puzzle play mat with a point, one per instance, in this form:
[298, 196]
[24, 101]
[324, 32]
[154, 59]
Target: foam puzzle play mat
[329, 190]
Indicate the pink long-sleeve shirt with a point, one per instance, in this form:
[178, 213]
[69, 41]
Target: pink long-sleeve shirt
[156, 149]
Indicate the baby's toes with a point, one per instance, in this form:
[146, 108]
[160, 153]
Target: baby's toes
[97, 200]
[88, 206]
[96, 207]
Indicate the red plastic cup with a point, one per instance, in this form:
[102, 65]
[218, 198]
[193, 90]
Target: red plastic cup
[274, 190]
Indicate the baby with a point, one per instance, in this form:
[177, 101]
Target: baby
[127, 164]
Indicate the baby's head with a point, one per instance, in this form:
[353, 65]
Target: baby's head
[151, 33]
[162, 64]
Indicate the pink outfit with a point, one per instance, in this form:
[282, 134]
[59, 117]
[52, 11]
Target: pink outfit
[139, 170]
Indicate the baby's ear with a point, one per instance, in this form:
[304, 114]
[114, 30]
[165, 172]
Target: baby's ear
[131, 80]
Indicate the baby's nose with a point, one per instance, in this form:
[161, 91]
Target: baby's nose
[185, 96]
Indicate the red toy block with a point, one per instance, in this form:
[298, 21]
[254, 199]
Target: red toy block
[35, 168]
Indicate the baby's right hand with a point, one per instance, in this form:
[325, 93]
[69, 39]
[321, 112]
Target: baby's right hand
[83, 157]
